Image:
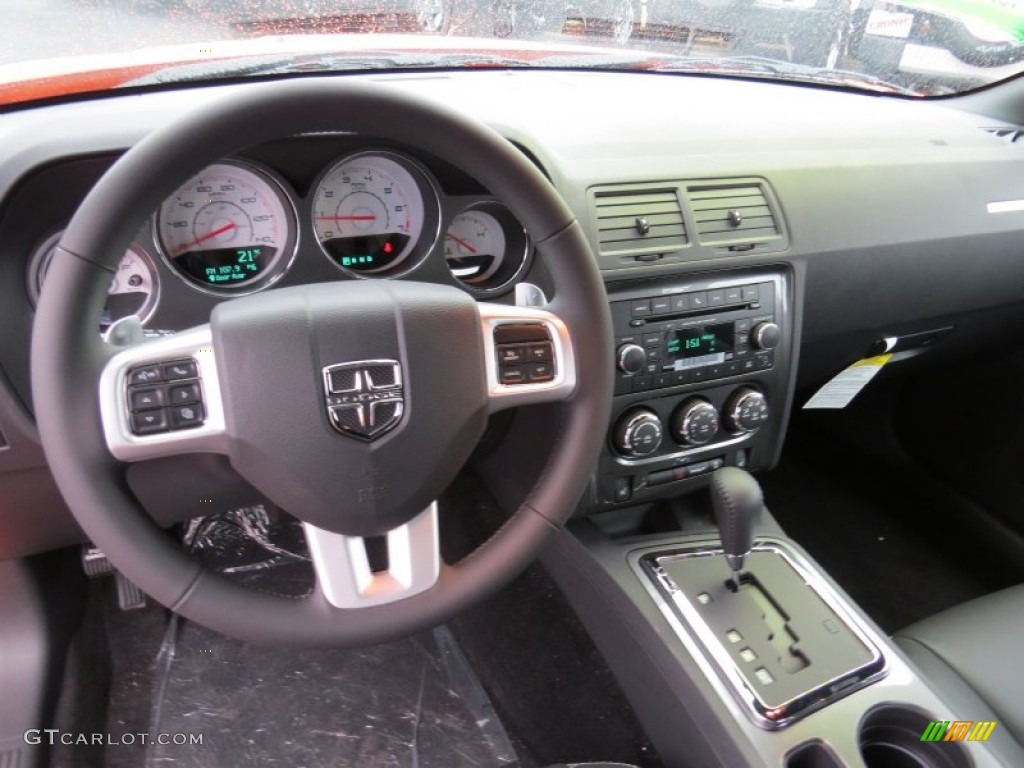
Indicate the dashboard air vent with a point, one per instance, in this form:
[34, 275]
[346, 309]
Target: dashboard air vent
[729, 213]
[638, 220]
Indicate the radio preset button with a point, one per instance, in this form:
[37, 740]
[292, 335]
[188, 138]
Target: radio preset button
[641, 308]
[733, 295]
[699, 300]
[716, 298]
[681, 303]
[751, 293]
[661, 306]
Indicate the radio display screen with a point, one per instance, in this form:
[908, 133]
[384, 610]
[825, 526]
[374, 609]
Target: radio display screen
[691, 347]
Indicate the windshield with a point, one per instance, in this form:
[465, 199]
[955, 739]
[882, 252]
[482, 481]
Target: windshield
[918, 47]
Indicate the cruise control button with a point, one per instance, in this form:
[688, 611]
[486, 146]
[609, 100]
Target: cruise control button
[149, 422]
[182, 369]
[512, 374]
[142, 399]
[146, 374]
[540, 353]
[183, 394]
[185, 416]
[541, 372]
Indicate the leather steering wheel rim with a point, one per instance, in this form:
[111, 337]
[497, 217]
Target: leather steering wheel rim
[68, 356]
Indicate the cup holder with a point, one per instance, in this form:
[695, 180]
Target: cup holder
[890, 737]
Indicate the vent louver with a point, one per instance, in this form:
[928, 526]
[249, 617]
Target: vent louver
[729, 213]
[639, 220]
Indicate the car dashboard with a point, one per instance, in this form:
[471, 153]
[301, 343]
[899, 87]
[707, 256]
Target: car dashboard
[755, 239]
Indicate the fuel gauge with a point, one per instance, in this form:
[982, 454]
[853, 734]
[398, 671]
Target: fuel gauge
[485, 247]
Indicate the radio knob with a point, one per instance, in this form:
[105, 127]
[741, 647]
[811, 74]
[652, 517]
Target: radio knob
[746, 410]
[766, 335]
[631, 358]
[637, 433]
[695, 422]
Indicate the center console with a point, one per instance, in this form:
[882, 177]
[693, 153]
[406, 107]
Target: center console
[730, 656]
[701, 381]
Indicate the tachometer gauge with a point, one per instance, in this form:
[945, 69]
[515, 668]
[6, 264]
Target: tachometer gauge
[486, 247]
[230, 228]
[134, 289]
[370, 213]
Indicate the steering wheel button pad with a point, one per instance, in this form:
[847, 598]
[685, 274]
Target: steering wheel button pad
[157, 407]
[525, 354]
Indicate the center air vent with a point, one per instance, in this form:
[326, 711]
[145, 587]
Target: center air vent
[730, 213]
[638, 220]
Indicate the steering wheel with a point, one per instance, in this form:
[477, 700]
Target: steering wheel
[351, 405]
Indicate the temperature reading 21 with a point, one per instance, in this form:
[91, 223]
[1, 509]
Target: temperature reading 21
[248, 256]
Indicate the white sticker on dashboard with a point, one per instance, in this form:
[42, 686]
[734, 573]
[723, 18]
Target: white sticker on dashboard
[889, 24]
[848, 383]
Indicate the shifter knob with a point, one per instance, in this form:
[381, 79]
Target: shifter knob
[738, 502]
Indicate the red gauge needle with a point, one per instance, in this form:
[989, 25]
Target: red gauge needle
[219, 231]
[367, 217]
[461, 242]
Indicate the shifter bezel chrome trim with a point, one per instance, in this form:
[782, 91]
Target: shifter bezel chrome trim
[690, 626]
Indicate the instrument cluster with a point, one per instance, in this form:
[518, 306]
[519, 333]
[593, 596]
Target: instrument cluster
[236, 227]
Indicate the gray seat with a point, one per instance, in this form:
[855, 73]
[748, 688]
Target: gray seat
[972, 654]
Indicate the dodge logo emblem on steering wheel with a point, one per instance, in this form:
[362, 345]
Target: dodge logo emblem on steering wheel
[364, 399]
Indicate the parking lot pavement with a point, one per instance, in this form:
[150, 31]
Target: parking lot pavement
[41, 29]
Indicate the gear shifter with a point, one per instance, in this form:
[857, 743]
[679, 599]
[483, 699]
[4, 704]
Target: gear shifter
[736, 497]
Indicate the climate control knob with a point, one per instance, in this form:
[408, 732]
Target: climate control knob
[746, 410]
[766, 335]
[695, 422]
[631, 358]
[637, 433]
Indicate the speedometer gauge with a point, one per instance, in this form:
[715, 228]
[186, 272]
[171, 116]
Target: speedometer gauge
[229, 228]
[370, 212]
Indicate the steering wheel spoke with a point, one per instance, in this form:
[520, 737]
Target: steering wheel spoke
[346, 577]
[163, 397]
[529, 356]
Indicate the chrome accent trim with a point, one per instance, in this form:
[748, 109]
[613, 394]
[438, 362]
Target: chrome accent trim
[210, 437]
[715, 661]
[343, 571]
[732, 419]
[504, 396]
[365, 393]
[530, 295]
[688, 453]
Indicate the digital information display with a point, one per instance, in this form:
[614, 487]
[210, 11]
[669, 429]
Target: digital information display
[692, 347]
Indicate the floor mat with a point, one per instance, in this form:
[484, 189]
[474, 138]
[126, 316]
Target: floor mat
[413, 702]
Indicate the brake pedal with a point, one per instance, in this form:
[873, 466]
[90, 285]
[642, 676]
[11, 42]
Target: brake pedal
[96, 564]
